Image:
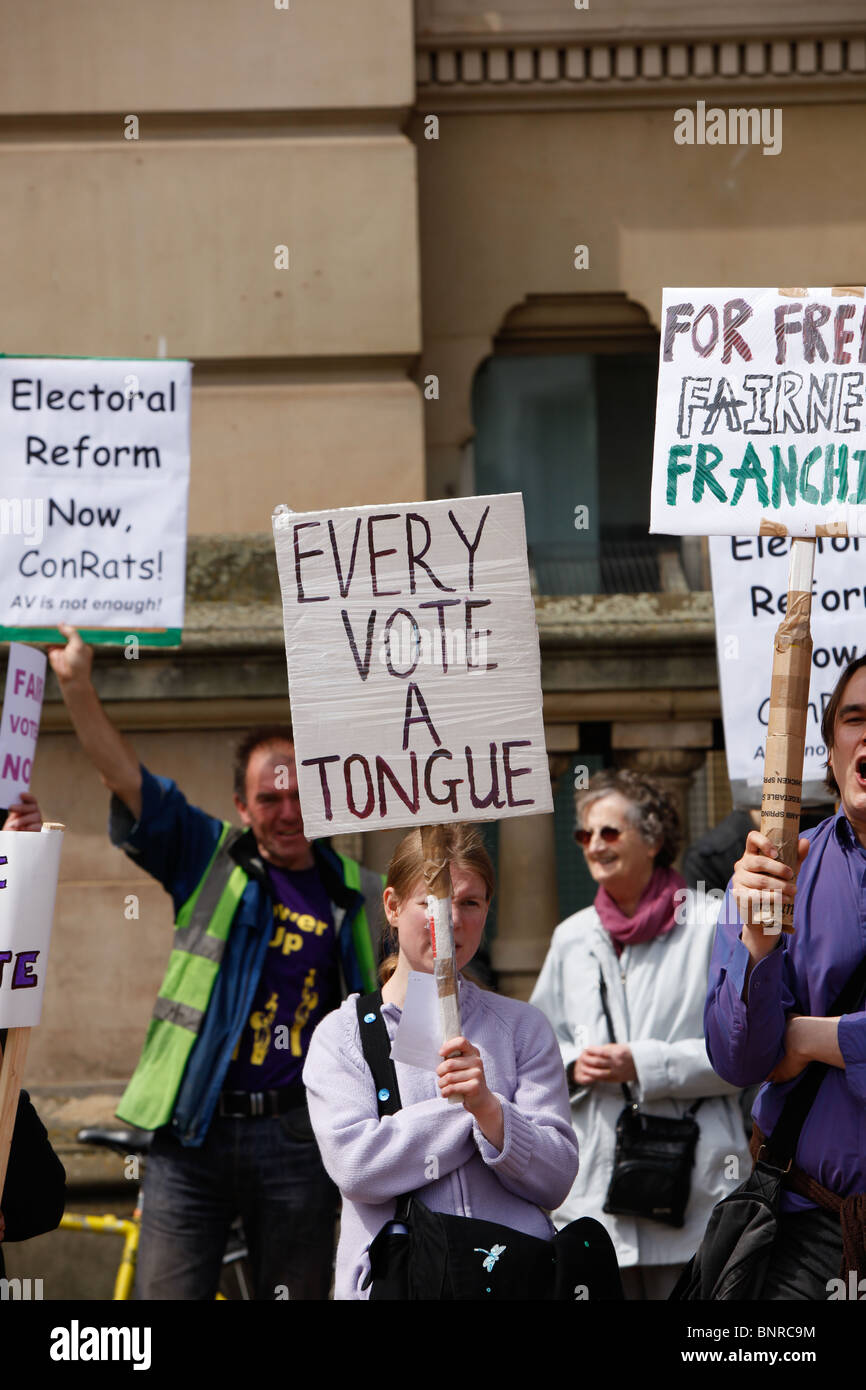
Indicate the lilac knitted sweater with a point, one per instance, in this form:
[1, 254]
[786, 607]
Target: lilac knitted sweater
[433, 1148]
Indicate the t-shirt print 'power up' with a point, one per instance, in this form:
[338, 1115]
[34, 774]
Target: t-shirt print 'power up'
[299, 984]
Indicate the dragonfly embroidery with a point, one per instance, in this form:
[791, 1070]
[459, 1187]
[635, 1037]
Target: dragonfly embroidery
[492, 1255]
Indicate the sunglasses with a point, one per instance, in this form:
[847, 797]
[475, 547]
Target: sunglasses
[608, 833]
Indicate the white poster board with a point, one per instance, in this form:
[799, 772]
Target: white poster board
[29, 864]
[19, 725]
[749, 594]
[414, 669]
[760, 417]
[95, 458]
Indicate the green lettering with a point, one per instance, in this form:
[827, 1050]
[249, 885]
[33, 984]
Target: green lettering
[751, 467]
[860, 495]
[833, 471]
[784, 476]
[704, 473]
[677, 451]
[807, 491]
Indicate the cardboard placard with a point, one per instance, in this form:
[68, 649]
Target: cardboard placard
[29, 865]
[19, 725]
[414, 669]
[761, 413]
[93, 516]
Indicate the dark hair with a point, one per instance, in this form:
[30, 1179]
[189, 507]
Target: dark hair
[262, 736]
[465, 848]
[652, 810]
[828, 719]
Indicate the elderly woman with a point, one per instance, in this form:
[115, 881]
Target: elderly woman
[646, 942]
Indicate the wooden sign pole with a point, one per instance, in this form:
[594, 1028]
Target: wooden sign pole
[437, 877]
[786, 726]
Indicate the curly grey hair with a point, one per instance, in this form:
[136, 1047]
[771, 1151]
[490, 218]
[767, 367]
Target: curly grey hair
[652, 810]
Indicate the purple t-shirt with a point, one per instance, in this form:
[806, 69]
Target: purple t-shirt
[300, 983]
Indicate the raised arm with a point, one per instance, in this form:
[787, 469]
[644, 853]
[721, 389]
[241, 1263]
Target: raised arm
[112, 756]
[750, 985]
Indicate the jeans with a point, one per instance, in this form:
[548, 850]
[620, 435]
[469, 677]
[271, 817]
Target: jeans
[268, 1170]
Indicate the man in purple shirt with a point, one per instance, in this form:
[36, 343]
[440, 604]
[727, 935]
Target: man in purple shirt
[766, 1014]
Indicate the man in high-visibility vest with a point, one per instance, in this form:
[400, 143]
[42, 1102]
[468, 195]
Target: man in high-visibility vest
[270, 930]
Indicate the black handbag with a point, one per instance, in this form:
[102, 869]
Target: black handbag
[424, 1255]
[653, 1159]
[732, 1259]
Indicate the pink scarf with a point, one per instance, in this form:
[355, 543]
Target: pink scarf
[655, 915]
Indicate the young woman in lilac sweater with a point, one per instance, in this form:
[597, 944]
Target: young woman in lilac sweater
[508, 1153]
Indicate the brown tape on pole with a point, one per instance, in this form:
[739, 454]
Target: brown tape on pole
[786, 731]
[436, 873]
[437, 877]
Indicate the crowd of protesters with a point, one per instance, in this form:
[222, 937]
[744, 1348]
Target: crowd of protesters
[261, 1086]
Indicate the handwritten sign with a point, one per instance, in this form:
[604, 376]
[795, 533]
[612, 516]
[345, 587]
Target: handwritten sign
[749, 596]
[413, 659]
[19, 726]
[29, 864]
[95, 480]
[760, 417]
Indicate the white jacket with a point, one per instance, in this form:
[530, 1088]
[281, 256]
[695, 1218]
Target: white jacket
[656, 994]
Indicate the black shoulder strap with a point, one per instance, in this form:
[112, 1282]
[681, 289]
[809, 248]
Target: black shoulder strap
[376, 1046]
[798, 1102]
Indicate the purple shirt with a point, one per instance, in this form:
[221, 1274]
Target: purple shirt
[299, 984]
[804, 974]
[433, 1148]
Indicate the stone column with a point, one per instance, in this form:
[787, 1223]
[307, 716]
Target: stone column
[527, 898]
[669, 752]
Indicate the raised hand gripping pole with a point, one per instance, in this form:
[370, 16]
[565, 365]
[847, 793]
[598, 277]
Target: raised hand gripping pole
[786, 726]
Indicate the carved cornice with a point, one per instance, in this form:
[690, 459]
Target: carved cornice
[502, 71]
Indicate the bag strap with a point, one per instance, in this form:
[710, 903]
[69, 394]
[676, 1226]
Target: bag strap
[693, 1108]
[786, 1134]
[376, 1047]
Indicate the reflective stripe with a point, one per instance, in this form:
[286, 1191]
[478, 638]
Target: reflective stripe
[185, 913]
[211, 947]
[203, 922]
[183, 1015]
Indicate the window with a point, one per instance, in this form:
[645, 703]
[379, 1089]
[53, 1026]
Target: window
[564, 413]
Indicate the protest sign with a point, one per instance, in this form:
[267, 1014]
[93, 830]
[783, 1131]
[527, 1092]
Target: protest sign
[19, 725]
[749, 595]
[414, 670]
[29, 865]
[414, 677]
[93, 513]
[760, 415]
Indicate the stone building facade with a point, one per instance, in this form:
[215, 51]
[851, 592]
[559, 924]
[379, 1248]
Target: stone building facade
[478, 208]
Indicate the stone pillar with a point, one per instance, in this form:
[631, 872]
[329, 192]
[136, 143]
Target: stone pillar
[527, 898]
[669, 752]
